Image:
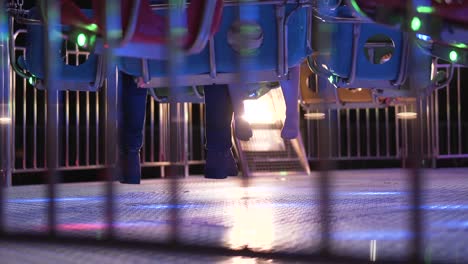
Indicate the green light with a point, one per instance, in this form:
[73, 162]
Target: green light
[356, 7]
[425, 9]
[416, 24]
[31, 80]
[81, 39]
[453, 55]
[460, 45]
[92, 27]
[330, 79]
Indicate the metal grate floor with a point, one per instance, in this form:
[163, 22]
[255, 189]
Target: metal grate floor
[370, 217]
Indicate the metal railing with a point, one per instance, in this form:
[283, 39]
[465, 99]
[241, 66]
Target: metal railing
[377, 134]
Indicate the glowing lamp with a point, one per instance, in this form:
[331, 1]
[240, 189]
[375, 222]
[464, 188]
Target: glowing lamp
[416, 24]
[81, 40]
[453, 55]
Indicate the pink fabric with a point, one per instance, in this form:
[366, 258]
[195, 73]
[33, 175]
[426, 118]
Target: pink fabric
[72, 15]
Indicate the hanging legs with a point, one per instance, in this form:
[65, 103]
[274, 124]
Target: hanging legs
[290, 90]
[220, 162]
[132, 119]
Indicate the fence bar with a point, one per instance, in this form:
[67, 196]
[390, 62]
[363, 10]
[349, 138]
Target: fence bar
[97, 128]
[111, 24]
[447, 99]
[51, 45]
[358, 133]
[460, 143]
[77, 128]
[5, 115]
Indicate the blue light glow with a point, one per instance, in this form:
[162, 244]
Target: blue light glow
[445, 207]
[372, 235]
[423, 37]
[47, 200]
[370, 193]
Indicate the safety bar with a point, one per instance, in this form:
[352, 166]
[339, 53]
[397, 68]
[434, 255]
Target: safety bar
[11, 50]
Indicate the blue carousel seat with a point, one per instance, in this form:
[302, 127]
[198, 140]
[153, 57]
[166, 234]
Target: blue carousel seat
[85, 76]
[344, 58]
[265, 57]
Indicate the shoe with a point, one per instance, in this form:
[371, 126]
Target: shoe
[242, 129]
[130, 168]
[220, 164]
[290, 130]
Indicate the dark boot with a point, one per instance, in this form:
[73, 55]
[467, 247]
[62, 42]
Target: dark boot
[219, 160]
[130, 167]
[132, 119]
[220, 164]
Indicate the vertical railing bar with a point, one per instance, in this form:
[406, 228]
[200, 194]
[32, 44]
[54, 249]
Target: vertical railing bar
[387, 133]
[377, 128]
[25, 154]
[77, 129]
[97, 127]
[368, 132]
[437, 123]
[162, 141]
[459, 124]
[190, 131]
[339, 131]
[405, 123]
[51, 38]
[67, 128]
[111, 22]
[348, 133]
[87, 128]
[358, 134]
[5, 112]
[152, 129]
[202, 130]
[330, 144]
[447, 88]
[11, 75]
[35, 154]
[428, 126]
[397, 133]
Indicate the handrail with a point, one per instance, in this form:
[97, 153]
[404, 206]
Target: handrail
[11, 51]
[205, 28]
[156, 97]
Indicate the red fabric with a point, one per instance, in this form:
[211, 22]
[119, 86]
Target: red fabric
[72, 15]
[150, 27]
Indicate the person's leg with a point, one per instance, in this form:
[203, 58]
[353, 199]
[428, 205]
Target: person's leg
[290, 90]
[242, 128]
[132, 119]
[220, 162]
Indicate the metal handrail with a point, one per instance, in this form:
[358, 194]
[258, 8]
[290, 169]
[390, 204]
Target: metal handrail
[11, 50]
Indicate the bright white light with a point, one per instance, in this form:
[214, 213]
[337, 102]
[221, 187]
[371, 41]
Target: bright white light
[259, 112]
[5, 120]
[314, 116]
[407, 115]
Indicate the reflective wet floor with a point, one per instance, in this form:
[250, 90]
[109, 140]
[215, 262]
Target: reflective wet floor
[370, 216]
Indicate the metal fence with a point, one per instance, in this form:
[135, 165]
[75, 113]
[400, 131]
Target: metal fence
[82, 115]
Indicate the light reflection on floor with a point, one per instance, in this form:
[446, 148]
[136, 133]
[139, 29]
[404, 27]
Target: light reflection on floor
[370, 216]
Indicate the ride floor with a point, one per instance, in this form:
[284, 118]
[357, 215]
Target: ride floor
[370, 217]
